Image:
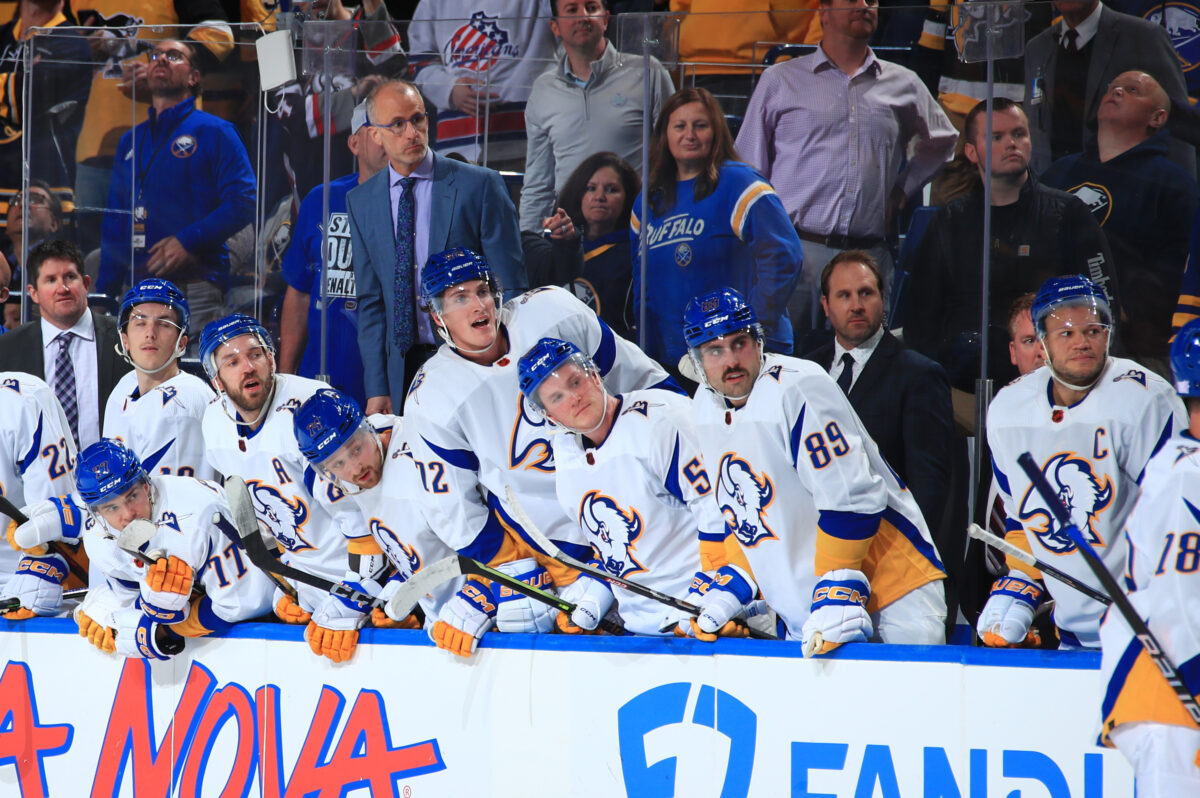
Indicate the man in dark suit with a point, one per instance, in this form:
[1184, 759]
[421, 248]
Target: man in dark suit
[70, 347]
[420, 204]
[1069, 66]
[902, 397]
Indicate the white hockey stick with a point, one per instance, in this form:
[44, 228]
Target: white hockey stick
[979, 533]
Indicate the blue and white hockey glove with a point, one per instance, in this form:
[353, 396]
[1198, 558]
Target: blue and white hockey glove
[140, 636]
[464, 618]
[1008, 615]
[38, 584]
[839, 611]
[592, 597]
[333, 630]
[516, 612]
[53, 519]
[166, 590]
[380, 619]
[721, 597]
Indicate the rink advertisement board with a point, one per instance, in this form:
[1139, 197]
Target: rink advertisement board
[258, 714]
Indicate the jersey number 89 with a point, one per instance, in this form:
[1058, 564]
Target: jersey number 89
[819, 451]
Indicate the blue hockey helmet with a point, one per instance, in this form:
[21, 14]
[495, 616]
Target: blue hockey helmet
[107, 469]
[1185, 359]
[154, 289]
[717, 313]
[1070, 290]
[326, 421]
[232, 326]
[450, 267]
[543, 359]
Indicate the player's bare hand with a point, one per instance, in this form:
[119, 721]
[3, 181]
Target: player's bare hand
[466, 97]
[379, 404]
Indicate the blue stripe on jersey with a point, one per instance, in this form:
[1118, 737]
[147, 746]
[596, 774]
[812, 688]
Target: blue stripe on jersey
[148, 463]
[672, 483]
[1190, 673]
[127, 584]
[1162, 439]
[207, 561]
[1000, 477]
[310, 479]
[606, 354]
[575, 550]
[717, 536]
[1012, 525]
[913, 535]
[669, 384]
[1120, 674]
[797, 431]
[849, 525]
[209, 619]
[459, 458]
[32, 454]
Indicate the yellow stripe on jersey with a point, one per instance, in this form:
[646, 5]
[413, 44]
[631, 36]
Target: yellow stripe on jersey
[191, 626]
[894, 567]
[1145, 696]
[364, 545]
[834, 552]
[1018, 538]
[741, 209]
[716, 553]
[513, 547]
[634, 223]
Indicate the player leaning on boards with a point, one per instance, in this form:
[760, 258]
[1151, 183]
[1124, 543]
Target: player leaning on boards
[473, 435]
[146, 608]
[248, 432]
[628, 470]
[157, 409]
[370, 461]
[1142, 715]
[836, 543]
[1091, 422]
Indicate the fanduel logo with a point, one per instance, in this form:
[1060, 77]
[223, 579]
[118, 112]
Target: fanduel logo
[665, 738]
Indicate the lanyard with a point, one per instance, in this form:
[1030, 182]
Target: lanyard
[141, 176]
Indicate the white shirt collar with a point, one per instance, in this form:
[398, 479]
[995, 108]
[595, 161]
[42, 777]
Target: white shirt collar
[1086, 30]
[861, 353]
[85, 328]
[424, 170]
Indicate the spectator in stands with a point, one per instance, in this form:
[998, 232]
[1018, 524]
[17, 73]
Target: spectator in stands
[713, 222]
[476, 61]
[1025, 351]
[45, 218]
[420, 204]
[1037, 232]
[593, 99]
[598, 200]
[181, 185]
[1068, 66]
[300, 323]
[1143, 201]
[835, 169]
[59, 93]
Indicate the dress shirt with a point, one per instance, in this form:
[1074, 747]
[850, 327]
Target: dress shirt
[861, 354]
[1084, 31]
[87, 376]
[832, 144]
[423, 197]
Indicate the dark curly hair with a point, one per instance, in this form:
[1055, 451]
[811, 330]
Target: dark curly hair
[570, 199]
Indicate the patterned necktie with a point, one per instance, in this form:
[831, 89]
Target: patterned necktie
[844, 378]
[406, 237]
[1069, 40]
[64, 382]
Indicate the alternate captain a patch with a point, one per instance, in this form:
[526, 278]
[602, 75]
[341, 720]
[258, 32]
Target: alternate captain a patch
[184, 146]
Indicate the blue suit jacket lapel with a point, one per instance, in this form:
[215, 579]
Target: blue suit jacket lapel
[444, 193]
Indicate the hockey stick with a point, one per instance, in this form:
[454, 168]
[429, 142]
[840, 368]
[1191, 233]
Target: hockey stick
[13, 512]
[979, 533]
[1119, 599]
[14, 603]
[552, 549]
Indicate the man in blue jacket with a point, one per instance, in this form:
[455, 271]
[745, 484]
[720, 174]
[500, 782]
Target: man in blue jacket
[182, 185]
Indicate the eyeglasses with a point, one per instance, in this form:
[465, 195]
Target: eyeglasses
[35, 200]
[400, 125]
[174, 56]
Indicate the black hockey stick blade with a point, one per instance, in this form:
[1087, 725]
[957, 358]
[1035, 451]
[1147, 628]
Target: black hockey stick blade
[1109, 583]
[981, 534]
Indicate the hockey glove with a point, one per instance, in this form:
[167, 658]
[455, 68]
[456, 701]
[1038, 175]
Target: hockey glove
[38, 584]
[288, 611]
[381, 620]
[95, 617]
[166, 590]
[464, 618]
[53, 519]
[592, 597]
[140, 636]
[1008, 615]
[94, 632]
[516, 612]
[839, 611]
[333, 630]
[720, 597]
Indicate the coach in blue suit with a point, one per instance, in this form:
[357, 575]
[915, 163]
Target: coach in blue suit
[447, 204]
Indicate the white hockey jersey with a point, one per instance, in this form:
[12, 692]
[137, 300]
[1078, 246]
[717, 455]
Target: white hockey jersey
[393, 514]
[309, 516]
[234, 589]
[804, 489]
[1162, 576]
[472, 433]
[164, 428]
[1093, 454]
[643, 498]
[38, 453]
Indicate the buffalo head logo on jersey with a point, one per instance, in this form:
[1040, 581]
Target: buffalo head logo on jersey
[613, 531]
[404, 556]
[285, 519]
[1084, 494]
[529, 447]
[743, 497]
